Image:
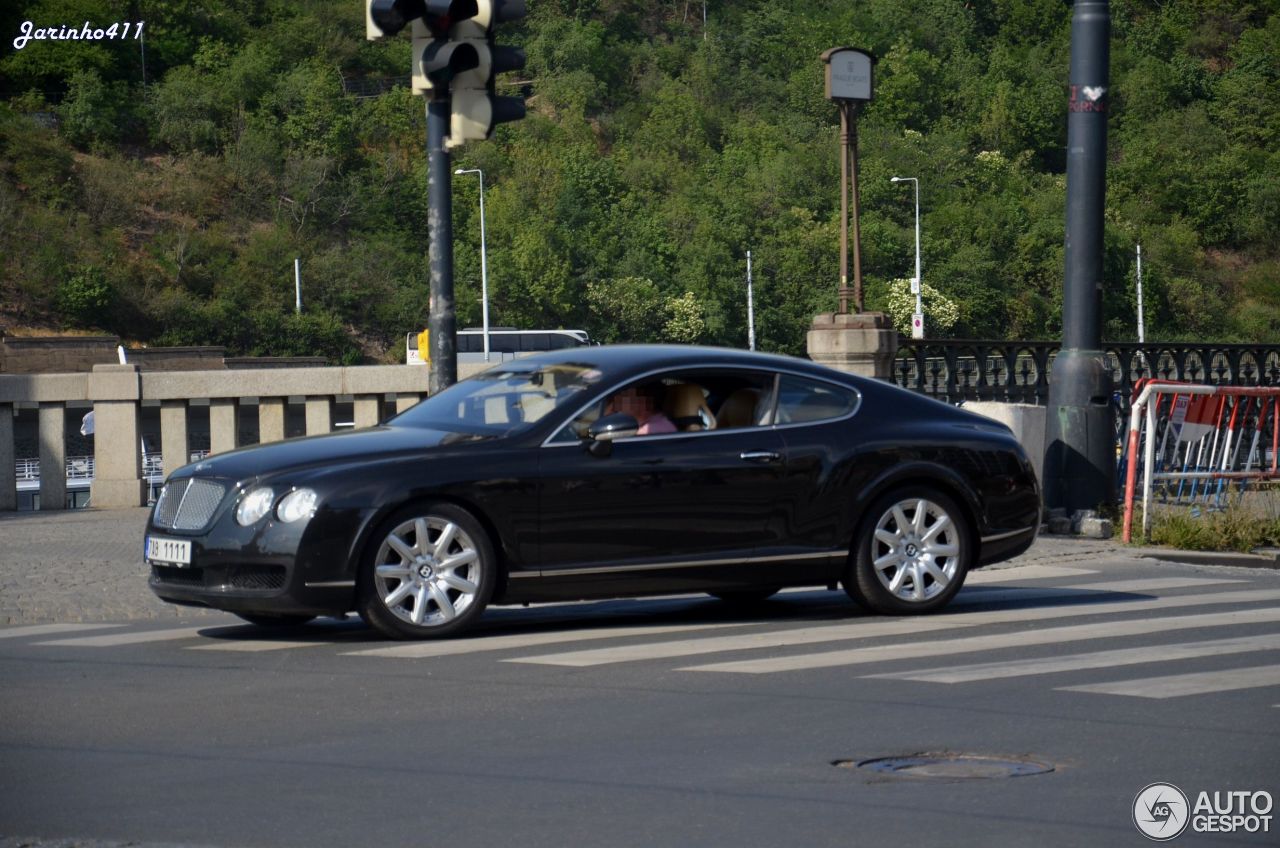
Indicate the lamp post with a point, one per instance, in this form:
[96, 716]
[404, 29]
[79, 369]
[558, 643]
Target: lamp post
[917, 320]
[484, 271]
[848, 82]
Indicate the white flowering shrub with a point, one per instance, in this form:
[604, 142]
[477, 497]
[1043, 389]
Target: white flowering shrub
[940, 312]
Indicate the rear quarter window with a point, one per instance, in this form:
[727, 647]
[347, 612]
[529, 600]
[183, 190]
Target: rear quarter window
[801, 400]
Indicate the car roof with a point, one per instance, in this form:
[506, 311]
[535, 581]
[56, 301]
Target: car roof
[620, 360]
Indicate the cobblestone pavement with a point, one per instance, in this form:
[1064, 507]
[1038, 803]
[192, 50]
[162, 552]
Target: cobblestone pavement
[86, 565]
[77, 565]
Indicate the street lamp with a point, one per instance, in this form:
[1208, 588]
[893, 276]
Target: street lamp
[484, 271]
[917, 320]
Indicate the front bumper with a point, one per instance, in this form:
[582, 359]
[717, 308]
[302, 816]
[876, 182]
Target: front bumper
[270, 567]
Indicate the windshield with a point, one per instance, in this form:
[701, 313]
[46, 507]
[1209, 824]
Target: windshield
[504, 399]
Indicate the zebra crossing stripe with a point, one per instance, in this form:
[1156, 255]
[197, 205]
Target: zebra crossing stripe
[987, 594]
[480, 644]
[256, 645]
[864, 629]
[1048, 636]
[1023, 572]
[50, 629]
[1097, 659]
[1179, 685]
[133, 638]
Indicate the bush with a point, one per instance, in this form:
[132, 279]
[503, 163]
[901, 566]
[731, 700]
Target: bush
[85, 298]
[1233, 529]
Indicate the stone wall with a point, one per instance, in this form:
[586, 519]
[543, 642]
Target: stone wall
[55, 354]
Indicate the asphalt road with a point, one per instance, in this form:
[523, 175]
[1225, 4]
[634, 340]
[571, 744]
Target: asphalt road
[667, 722]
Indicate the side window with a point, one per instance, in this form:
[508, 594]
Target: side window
[685, 401]
[801, 400]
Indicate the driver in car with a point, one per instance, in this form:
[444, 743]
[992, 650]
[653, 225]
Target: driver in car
[641, 403]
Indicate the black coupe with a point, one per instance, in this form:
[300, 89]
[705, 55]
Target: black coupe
[602, 472]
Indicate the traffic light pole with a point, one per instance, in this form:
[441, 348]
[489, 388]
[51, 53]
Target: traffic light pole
[442, 318]
[1080, 461]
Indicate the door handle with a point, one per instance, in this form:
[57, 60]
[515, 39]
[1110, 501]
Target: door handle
[760, 456]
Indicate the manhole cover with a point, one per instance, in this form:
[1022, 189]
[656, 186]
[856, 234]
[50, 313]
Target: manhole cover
[950, 766]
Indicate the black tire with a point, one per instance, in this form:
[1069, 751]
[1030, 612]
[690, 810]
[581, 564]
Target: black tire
[745, 597]
[445, 585]
[263, 619]
[919, 572]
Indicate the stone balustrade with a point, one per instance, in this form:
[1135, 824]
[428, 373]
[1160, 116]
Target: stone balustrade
[118, 393]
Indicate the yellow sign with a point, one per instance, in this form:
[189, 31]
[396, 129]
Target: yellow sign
[424, 345]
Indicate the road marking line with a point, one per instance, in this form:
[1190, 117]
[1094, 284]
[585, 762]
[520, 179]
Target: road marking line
[1178, 685]
[1097, 659]
[1048, 636]
[49, 629]
[1023, 572]
[1158, 583]
[866, 629]
[987, 594]
[134, 638]
[479, 644]
[255, 645]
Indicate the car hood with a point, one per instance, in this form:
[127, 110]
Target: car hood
[368, 445]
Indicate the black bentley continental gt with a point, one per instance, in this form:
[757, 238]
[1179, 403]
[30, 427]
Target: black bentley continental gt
[601, 472]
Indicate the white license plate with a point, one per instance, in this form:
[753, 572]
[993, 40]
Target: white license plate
[171, 551]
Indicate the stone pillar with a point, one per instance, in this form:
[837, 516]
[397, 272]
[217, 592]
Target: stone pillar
[404, 401]
[224, 424]
[1027, 422]
[270, 419]
[319, 415]
[117, 458]
[53, 456]
[863, 343]
[8, 460]
[175, 448]
[367, 410]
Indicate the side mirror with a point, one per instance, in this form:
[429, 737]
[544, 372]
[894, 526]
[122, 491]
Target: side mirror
[603, 431]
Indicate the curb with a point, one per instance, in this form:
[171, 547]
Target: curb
[1222, 558]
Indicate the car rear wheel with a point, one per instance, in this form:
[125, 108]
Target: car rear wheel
[911, 554]
[430, 574]
[263, 619]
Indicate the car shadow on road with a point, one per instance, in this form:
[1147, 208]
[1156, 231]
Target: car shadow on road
[788, 607]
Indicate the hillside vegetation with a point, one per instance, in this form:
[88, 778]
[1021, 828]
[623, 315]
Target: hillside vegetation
[657, 152]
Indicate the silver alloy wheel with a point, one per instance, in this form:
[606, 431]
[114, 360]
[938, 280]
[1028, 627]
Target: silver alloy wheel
[915, 550]
[427, 571]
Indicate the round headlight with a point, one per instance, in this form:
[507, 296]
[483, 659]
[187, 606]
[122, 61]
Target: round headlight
[298, 504]
[254, 505]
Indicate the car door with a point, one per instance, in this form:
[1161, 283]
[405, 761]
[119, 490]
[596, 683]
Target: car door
[660, 508]
[819, 424]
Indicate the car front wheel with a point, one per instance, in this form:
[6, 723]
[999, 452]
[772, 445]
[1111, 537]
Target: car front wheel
[430, 575]
[911, 554]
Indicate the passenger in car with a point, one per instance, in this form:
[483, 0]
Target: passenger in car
[738, 409]
[686, 403]
[641, 403]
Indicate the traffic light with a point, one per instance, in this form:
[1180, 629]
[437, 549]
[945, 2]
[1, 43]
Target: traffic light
[432, 49]
[454, 51]
[475, 108]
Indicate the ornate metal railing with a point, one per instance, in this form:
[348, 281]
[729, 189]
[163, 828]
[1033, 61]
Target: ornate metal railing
[1018, 371]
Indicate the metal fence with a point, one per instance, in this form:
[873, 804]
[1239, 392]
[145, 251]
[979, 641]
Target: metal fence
[1018, 372]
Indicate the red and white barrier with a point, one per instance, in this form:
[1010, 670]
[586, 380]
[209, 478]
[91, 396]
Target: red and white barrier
[1204, 434]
